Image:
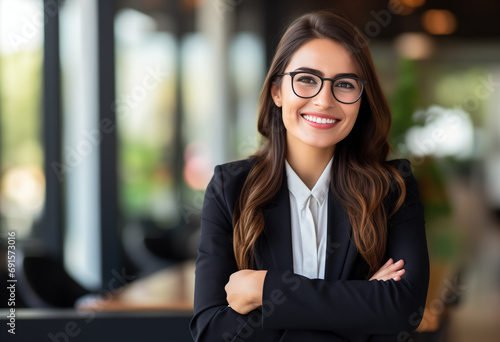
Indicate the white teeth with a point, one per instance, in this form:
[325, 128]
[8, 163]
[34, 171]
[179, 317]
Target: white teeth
[318, 120]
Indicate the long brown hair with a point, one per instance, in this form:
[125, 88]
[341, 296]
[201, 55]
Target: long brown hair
[360, 177]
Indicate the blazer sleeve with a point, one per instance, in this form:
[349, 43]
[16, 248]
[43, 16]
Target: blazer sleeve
[353, 306]
[213, 320]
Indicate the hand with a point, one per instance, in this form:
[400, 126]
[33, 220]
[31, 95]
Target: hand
[244, 290]
[390, 270]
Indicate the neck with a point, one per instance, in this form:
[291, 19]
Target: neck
[309, 162]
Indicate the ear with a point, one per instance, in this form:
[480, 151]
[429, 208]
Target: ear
[276, 94]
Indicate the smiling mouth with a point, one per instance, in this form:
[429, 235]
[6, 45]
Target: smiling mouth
[319, 120]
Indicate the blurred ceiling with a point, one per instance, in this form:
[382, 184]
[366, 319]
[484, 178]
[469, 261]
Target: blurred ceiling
[474, 18]
[469, 19]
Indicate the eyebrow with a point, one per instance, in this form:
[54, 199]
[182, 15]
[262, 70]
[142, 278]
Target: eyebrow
[320, 73]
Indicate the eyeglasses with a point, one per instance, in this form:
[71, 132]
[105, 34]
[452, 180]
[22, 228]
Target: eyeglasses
[307, 85]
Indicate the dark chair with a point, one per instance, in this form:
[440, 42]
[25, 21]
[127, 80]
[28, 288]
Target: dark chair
[43, 282]
[152, 248]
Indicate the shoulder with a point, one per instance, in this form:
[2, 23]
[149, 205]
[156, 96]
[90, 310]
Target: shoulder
[403, 166]
[235, 171]
[225, 186]
[411, 209]
[236, 167]
[228, 178]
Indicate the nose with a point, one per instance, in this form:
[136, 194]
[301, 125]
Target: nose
[325, 98]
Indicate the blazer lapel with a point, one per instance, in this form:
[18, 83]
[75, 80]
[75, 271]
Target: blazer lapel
[275, 244]
[277, 233]
[338, 241]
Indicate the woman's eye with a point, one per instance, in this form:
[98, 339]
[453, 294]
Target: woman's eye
[345, 85]
[307, 80]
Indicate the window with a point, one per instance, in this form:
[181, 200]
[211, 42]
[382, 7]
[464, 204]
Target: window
[21, 157]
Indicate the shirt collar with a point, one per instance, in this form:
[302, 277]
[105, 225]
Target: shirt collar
[301, 192]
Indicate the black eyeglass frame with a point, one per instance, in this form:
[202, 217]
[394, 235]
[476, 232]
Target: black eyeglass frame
[323, 79]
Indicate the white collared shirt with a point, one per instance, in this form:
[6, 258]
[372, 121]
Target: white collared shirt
[309, 218]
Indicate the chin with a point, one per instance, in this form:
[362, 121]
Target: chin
[318, 145]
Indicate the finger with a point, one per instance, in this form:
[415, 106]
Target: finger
[388, 274]
[389, 262]
[386, 271]
[386, 265]
[380, 275]
[392, 262]
[398, 275]
[399, 262]
[396, 266]
[395, 272]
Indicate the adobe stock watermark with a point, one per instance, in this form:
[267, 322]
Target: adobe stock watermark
[486, 87]
[127, 102]
[381, 19]
[188, 210]
[31, 27]
[224, 6]
[246, 328]
[73, 328]
[449, 294]
[249, 145]
[123, 107]
[215, 189]
[483, 91]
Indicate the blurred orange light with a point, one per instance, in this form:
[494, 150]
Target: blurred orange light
[197, 173]
[192, 4]
[439, 22]
[198, 166]
[400, 8]
[414, 45]
[412, 3]
[24, 187]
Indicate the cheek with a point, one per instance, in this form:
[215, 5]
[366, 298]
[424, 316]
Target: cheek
[351, 116]
[292, 103]
[290, 110]
[352, 113]
[288, 117]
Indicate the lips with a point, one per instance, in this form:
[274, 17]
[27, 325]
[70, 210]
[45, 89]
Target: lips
[319, 120]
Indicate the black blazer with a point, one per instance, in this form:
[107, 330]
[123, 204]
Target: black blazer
[345, 306]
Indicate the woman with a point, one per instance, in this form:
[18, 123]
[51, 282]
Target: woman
[307, 239]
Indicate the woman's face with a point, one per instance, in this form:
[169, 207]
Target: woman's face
[329, 59]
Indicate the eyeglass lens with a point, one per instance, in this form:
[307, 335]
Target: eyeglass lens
[346, 90]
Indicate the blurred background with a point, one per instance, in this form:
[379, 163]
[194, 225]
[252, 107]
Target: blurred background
[114, 113]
